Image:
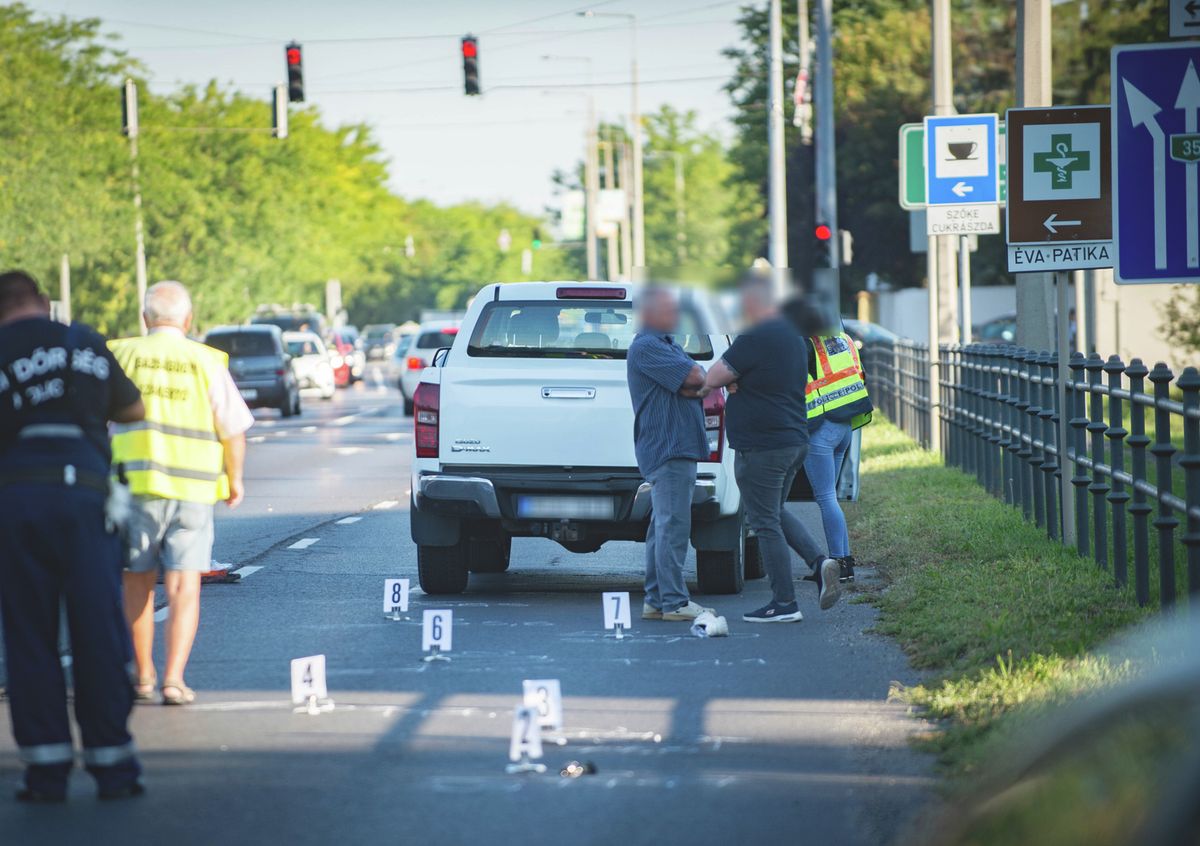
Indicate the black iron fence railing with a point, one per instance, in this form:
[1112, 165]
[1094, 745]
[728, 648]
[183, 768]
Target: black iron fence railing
[998, 418]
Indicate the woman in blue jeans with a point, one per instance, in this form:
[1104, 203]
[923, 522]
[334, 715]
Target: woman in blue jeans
[828, 442]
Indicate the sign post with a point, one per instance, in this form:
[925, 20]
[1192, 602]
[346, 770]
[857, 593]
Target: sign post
[1156, 147]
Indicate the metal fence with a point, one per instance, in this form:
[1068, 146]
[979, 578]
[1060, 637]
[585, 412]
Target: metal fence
[1130, 488]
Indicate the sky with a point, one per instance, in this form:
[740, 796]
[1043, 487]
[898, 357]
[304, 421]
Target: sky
[396, 65]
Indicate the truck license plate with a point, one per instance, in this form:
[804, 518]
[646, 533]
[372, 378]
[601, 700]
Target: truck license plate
[566, 507]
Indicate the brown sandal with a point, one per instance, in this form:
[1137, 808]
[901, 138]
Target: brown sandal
[181, 695]
[143, 688]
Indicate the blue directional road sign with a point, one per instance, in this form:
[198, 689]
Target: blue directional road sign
[961, 165]
[1156, 148]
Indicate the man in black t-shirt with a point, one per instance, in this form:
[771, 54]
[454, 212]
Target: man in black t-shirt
[766, 368]
[59, 387]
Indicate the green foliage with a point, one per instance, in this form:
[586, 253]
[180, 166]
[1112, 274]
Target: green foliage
[239, 216]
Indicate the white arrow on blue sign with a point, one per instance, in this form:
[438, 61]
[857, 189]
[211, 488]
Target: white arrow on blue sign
[961, 165]
[1156, 148]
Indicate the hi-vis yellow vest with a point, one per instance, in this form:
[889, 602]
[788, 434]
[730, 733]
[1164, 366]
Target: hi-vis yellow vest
[175, 452]
[840, 382]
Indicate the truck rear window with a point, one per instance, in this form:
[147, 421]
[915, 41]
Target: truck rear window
[552, 329]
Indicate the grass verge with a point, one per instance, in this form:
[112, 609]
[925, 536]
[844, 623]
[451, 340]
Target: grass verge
[1005, 618]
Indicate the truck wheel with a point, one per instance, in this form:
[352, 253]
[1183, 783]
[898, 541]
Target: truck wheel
[409, 407]
[489, 554]
[442, 569]
[754, 565]
[720, 570]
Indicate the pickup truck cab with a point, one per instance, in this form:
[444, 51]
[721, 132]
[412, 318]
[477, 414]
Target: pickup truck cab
[523, 427]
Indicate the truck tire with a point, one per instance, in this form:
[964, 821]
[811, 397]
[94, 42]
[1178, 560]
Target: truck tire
[754, 565]
[442, 569]
[489, 554]
[719, 571]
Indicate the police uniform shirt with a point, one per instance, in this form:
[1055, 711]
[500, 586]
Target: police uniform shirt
[48, 377]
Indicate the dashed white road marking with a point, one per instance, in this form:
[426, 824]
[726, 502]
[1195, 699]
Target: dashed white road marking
[308, 428]
[162, 613]
[304, 543]
[346, 521]
[387, 503]
[345, 420]
[247, 571]
[257, 439]
[349, 450]
[396, 436]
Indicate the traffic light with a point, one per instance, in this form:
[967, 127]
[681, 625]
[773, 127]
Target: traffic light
[822, 245]
[470, 56]
[295, 73]
[537, 239]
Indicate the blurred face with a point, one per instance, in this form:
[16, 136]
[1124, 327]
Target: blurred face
[660, 312]
[756, 306]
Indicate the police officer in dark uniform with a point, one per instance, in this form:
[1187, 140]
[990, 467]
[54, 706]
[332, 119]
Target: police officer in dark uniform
[59, 386]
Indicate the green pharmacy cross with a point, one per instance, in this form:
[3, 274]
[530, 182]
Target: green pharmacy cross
[1061, 162]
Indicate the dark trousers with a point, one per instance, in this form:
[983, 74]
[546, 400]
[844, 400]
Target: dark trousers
[57, 553]
[764, 478]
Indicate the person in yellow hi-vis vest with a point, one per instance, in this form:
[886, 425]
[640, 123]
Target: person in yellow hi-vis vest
[836, 403]
[182, 459]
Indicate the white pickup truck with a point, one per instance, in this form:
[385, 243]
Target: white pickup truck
[524, 428]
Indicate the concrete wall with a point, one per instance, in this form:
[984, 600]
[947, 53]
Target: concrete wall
[906, 311]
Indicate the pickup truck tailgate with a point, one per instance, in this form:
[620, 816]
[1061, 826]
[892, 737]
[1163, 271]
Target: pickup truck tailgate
[567, 413]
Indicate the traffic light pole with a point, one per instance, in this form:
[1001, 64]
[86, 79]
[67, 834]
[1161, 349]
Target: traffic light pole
[827, 283]
[132, 130]
[777, 188]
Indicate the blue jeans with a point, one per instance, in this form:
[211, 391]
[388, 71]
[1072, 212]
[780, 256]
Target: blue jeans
[671, 488]
[826, 450]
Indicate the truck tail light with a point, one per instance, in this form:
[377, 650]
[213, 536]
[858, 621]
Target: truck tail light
[714, 424]
[415, 362]
[426, 411]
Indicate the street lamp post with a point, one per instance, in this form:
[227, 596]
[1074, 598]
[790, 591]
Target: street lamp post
[591, 180]
[639, 215]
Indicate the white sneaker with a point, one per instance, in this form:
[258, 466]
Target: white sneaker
[649, 612]
[831, 588]
[687, 613]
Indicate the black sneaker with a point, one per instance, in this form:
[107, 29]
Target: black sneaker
[775, 613]
[828, 583]
[128, 791]
[847, 565]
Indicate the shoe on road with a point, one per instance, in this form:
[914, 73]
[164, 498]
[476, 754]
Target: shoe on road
[649, 612]
[129, 791]
[775, 613]
[829, 583]
[847, 567]
[686, 613]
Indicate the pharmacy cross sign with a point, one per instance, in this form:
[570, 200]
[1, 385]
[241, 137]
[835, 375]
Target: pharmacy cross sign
[1061, 162]
[1060, 189]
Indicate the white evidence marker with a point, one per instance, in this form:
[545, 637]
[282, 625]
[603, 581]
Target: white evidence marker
[437, 634]
[395, 597]
[545, 697]
[309, 692]
[616, 612]
[525, 748]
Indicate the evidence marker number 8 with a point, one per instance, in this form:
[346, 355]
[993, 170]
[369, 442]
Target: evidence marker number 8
[395, 595]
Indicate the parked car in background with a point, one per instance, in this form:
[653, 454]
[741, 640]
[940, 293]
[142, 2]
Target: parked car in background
[430, 338]
[379, 341]
[341, 358]
[864, 332]
[357, 359]
[260, 365]
[311, 362]
[299, 319]
[395, 364]
[1000, 330]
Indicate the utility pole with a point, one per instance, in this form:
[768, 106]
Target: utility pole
[64, 288]
[681, 251]
[802, 115]
[130, 103]
[941, 248]
[828, 282]
[610, 182]
[1035, 300]
[777, 189]
[627, 237]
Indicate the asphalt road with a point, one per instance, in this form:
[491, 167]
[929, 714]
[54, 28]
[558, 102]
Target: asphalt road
[775, 734]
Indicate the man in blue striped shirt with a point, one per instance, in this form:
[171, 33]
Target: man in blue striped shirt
[669, 439]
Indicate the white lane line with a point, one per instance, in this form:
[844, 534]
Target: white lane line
[346, 521]
[257, 439]
[304, 543]
[396, 436]
[347, 419]
[247, 571]
[162, 613]
[349, 450]
[387, 503]
[308, 428]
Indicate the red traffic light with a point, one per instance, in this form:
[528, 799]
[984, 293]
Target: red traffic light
[823, 232]
[293, 56]
[469, 48]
